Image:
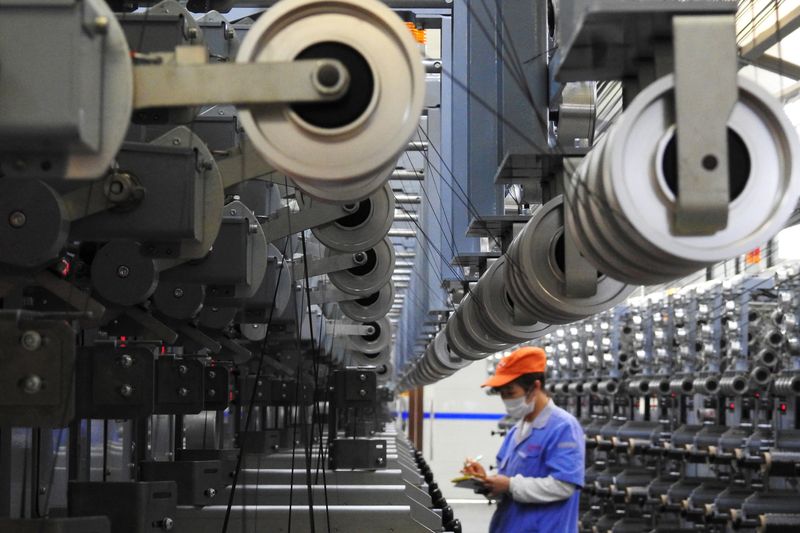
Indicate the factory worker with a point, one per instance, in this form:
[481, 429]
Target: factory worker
[541, 462]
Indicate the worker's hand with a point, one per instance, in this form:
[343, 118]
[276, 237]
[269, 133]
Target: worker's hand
[473, 468]
[497, 485]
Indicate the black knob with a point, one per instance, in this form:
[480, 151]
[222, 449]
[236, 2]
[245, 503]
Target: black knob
[454, 526]
[447, 515]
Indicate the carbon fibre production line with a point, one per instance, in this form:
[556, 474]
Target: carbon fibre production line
[239, 238]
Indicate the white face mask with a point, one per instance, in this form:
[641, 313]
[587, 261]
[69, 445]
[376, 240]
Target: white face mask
[518, 407]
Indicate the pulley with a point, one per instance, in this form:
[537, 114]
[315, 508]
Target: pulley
[497, 308]
[623, 196]
[363, 225]
[340, 151]
[371, 307]
[122, 275]
[365, 280]
[371, 343]
[536, 272]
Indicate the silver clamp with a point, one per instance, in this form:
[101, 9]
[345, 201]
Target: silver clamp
[186, 79]
[327, 265]
[702, 45]
[338, 329]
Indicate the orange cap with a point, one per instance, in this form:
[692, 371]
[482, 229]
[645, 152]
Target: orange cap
[525, 360]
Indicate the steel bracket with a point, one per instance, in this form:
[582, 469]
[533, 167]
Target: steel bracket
[186, 79]
[285, 222]
[326, 265]
[580, 276]
[348, 330]
[703, 44]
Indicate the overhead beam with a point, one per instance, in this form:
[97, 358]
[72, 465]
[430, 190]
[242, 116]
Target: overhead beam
[758, 46]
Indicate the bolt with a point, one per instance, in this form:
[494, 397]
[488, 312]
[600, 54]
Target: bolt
[212, 374]
[178, 293]
[328, 76]
[126, 361]
[359, 258]
[183, 391]
[166, 523]
[123, 271]
[379, 460]
[232, 212]
[211, 393]
[362, 377]
[31, 340]
[192, 34]
[101, 25]
[126, 390]
[210, 493]
[31, 384]
[362, 393]
[17, 219]
[370, 330]
[182, 369]
[349, 208]
[42, 490]
[116, 187]
[176, 141]
[230, 33]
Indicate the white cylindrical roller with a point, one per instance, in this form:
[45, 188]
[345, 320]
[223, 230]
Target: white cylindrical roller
[373, 343]
[368, 278]
[370, 307]
[368, 222]
[497, 308]
[623, 195]
[535, 272]
[343, 150]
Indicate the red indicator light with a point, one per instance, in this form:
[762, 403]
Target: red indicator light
[732, 406]
[783, 408]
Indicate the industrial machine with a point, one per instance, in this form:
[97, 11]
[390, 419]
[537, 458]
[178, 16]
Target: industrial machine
[234, 233]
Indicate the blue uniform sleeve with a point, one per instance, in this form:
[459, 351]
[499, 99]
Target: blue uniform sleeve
[566, 456]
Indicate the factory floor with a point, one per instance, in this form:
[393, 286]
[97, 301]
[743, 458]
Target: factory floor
[474, 515]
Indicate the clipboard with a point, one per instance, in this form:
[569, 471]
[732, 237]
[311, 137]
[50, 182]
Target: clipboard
[473, 483]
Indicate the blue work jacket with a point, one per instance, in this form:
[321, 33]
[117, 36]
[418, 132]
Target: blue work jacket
[555, 447]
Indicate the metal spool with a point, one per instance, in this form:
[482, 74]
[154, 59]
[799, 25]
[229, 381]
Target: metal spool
[444, 356]
[354, 142]
[458, 342]
[367, 279]
[635, 214]
[33, 223]
[122, 275]
[733, 385]
[178, 300]
[380, 357]
[367, 222]
[371, 307]
[468, 312]
[497, 308]
[787, 385]
[761, 376]
[535, 273]
[706, 385]
[373, 343]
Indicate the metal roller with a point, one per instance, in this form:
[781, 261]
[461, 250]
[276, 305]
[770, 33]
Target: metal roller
[497, 308]
[536, 272]
[344, 150]
[622, 223]
[371, 307]
[787, 385]
[367, 222]
[458, 341]
[468, 313]
[368, 278]
[736, 385]
[373, 343]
